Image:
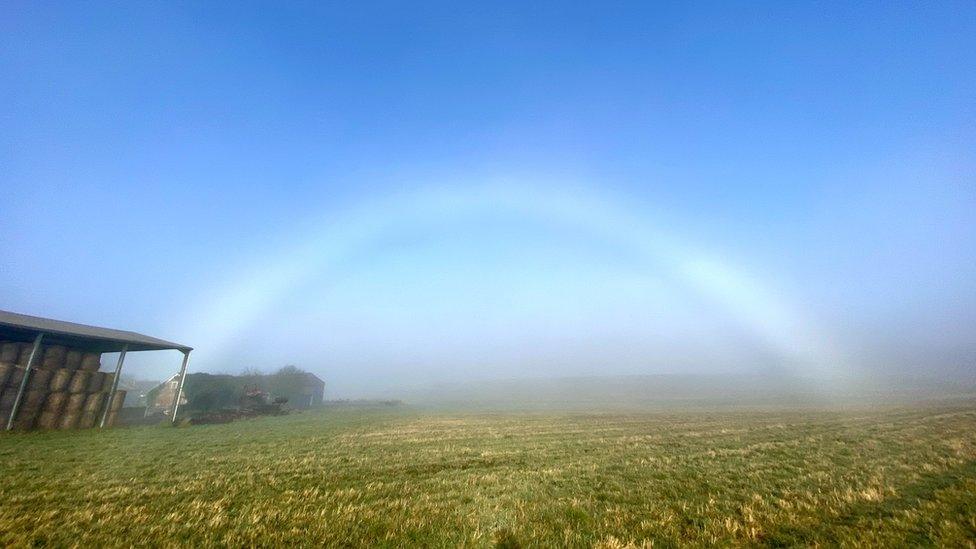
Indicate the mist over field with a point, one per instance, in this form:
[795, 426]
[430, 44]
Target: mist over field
[677, 392]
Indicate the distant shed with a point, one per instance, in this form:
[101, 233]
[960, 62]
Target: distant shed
[312, 391]
[38, 353]
[161, 398]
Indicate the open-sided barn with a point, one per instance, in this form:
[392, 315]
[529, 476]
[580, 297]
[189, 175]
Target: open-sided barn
[50, 372]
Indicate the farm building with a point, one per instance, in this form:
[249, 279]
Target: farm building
[51, 376]
[203, 391]
[312, 391]
[161, 398]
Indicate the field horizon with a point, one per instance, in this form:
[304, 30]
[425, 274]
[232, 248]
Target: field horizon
[667, 391]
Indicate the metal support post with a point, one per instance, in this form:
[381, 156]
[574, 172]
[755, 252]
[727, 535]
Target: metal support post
[179, 388]
[115, 385]
[23, 382]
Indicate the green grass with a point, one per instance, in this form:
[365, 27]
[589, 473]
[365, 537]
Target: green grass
[902, 477]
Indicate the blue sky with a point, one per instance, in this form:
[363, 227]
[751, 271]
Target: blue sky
[390, 193]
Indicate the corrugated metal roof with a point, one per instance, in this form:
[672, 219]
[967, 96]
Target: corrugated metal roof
[105, 340]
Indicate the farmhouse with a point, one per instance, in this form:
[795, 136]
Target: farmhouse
[51, 376]
[202, 391]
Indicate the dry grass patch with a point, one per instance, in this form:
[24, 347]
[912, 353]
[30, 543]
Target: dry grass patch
[367, 478]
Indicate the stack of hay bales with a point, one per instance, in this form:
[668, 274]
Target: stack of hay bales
[66, 389]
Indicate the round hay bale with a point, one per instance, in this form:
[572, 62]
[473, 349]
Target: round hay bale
[76, 401]
[47, 420]
[60, 379]
[33, 399]
[39, 379]
[92, 411]
[88, 420]
[7, 398]
[15, 377]
[49, 364]
[96, 382]
[111, 418]
[91, 362]
[55, 402]
[54, 357]
[107, 382]
[28, 409]
[25, 353]
[9, 351]
[55, 352]
[118, 400]
[79, 382]
[69, 420]
[94, 403]
[72, 359]
[25, 420]
[5, 369]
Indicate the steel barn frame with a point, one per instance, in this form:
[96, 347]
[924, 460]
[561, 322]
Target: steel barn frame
[26, 328]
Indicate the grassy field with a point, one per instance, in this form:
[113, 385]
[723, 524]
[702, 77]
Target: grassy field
[902, 477]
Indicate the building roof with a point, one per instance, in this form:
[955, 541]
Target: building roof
[20, 327]
[309, 377]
